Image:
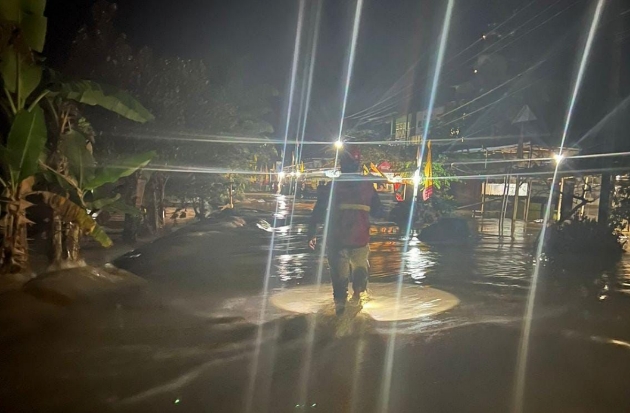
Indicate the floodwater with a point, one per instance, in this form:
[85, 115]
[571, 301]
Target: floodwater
[189, 343]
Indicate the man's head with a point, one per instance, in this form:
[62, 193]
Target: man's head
[350, 160]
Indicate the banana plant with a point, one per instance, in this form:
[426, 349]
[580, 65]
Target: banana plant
[24, 133]
[83, 182]
[25, 142]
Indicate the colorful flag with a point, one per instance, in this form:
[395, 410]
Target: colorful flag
[428, 175]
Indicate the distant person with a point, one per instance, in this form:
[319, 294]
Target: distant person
[303, 190]
[321, 188]
[354, 199]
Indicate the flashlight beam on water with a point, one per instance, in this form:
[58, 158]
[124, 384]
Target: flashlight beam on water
[521, 365]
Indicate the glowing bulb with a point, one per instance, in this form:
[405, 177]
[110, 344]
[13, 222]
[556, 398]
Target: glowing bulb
[297, 174]
[483, 37]
[475, 71]
[281, 175]
[339, 144]
[558, 157]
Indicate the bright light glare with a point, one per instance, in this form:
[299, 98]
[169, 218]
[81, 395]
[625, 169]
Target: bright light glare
[416, 177]
[297, 174]
[558, 157]
[339, 144]
[281, 175]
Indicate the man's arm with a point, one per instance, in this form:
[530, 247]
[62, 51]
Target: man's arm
[319, 212]
[376, 207]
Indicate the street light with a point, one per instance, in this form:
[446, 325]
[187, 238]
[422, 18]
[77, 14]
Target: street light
[339, 144]
[558, 157]
[281, 175]
[297, 174]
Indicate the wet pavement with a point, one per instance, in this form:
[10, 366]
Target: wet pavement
[205, 337]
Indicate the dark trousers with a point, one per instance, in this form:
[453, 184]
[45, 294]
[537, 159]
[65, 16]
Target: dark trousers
[346, 264]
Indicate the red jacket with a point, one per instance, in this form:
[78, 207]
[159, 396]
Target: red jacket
[352, 203]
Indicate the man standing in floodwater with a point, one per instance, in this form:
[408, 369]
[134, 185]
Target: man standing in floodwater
[354, 199]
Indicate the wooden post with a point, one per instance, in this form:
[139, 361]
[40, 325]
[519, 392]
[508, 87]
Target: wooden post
[529, 184]
[484, 186]
[506, 183]
[560, 199]
[529, 200]
[517, 186]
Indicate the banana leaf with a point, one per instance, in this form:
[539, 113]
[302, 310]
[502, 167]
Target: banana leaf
[68, 211]
[29, 14]
[123, 208]
[25, 143]
[102, 203]
[67, 183]
[107, 97]
[111, 174]
[81, 163]
[30, 72]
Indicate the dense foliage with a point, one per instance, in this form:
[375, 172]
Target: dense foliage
[46, 143]
[402, 159]
[204, 112]
[581, 238]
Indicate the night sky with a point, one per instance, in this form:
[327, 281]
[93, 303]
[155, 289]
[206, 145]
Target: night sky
[393, 35]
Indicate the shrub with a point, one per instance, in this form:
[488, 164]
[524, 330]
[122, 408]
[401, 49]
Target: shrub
[582, 237]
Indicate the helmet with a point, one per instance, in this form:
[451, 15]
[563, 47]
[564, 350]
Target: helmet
[350, 159]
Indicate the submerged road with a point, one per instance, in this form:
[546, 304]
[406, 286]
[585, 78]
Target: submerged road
[194, 340]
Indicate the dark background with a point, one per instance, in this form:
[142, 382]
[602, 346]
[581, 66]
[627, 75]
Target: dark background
[393, 35]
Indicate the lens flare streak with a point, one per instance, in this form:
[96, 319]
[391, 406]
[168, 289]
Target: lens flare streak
[391, 342]
[521, 365]
[312, 325]
[253, 374]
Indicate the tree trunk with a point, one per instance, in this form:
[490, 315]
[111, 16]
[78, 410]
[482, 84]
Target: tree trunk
[130, 227]
[56, 241]
[14, 246]
[73, 241]
[195, 207]
[152, 212]
[15, 257]
[202, 208]
[161, 189]
[604, 199]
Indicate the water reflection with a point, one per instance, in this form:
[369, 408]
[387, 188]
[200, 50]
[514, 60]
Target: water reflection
[491, 277]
